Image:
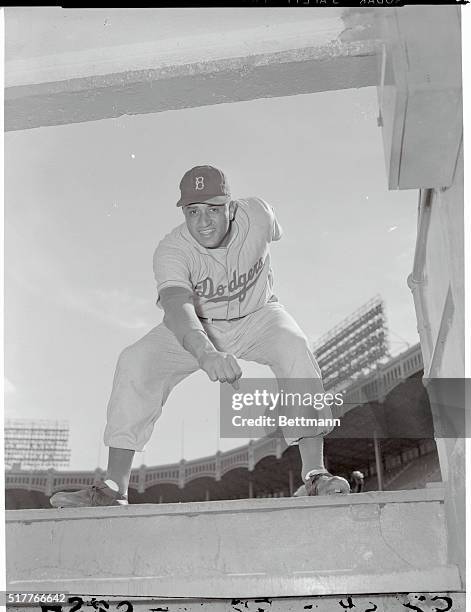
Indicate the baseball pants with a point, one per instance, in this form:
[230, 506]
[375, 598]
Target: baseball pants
[148, 370]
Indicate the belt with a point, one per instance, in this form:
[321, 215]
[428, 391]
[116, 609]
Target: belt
[211, 319]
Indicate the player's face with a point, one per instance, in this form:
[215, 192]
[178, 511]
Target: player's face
[208, 224]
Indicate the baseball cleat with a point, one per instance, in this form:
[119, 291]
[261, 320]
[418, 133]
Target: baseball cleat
[300, 491]
[95, 495]
[324, 483]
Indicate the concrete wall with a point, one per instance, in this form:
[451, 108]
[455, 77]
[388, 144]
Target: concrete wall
[444, 272]
[437, 283]
[362, 543]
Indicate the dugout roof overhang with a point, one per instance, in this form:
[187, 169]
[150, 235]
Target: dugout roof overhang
[72, 66]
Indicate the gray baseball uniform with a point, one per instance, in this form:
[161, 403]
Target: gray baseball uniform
[233, 295]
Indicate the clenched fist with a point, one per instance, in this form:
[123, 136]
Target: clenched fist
[221, 366]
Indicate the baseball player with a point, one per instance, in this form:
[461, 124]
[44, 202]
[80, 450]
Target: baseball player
[357, 479]
[215, 285]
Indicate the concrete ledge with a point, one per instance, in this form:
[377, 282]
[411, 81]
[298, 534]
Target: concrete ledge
[225, 506]
[247, 585]
[363, 543]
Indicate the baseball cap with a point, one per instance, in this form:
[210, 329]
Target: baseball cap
[204, 184]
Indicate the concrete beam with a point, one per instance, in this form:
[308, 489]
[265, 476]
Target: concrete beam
[362, 543]
[171, 74]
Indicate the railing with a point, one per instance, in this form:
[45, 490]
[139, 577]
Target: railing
[378, 384]
[373, 388]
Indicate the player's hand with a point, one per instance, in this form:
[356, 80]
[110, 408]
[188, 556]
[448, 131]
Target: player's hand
[221, 366]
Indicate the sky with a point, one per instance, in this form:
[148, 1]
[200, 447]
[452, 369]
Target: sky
[86, 204]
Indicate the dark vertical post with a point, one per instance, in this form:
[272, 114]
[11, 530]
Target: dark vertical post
[379, 462]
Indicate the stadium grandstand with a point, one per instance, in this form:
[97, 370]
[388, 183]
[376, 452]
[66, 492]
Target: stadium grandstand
[386, 433]
[36, 444]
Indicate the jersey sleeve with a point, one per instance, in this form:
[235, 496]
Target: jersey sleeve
[274, 228]
[171, 268]
[277, 232]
